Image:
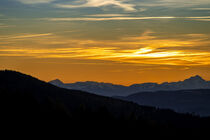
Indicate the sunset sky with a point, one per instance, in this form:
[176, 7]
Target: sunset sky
[115, 41]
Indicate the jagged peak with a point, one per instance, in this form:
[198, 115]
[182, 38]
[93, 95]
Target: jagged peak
[195, 78]
[56, 81]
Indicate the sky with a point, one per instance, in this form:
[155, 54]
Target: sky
[115, 41]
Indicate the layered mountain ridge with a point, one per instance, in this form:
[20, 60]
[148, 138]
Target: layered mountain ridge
[28, 103]
[108, 89]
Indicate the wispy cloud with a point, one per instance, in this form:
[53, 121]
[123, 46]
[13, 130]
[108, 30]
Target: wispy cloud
[116, 17]
[109, 15]
[35, 1]
[202, 19]
[30, 35]
[105, 18]
[173, 3]
[134, 56]
[201, 9]
[144, 49]
[24, 36]
[100, 3]
[4, 26]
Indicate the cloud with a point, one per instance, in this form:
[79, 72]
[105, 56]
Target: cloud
[108, 15]
[121, 17]
[201, 9]
[100, 3]
[105, 18]
[30, 36]
[4, 26]
[24, 36]
[147, 48]
[187, 1]
[202, 19]
[173, 3]
[35, 1]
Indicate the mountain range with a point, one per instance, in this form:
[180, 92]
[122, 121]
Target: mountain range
[108, 89]
[30, 105]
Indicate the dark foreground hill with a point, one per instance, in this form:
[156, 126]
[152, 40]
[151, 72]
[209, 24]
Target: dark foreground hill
[28, 104]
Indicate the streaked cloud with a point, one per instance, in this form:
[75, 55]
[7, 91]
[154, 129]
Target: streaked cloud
[173, 3]
[25, 36]
[100, 3]
[138, 56]
[201, 9]
[202, 19]
[144, 49]
[104, 18]
[121, 17]
[30, 36]
[4, 26]
[109, 15]
[35, 1]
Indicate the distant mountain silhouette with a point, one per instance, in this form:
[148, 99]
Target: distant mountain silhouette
[108, 89]
[58, 83]
[183, 101]
[30, 105]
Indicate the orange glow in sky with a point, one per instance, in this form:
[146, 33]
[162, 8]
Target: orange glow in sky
[122, 42]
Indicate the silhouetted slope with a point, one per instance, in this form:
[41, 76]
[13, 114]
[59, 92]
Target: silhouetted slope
[16, 83]
[27, 102]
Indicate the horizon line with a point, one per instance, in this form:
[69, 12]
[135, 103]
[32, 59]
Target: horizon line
[126, 85]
